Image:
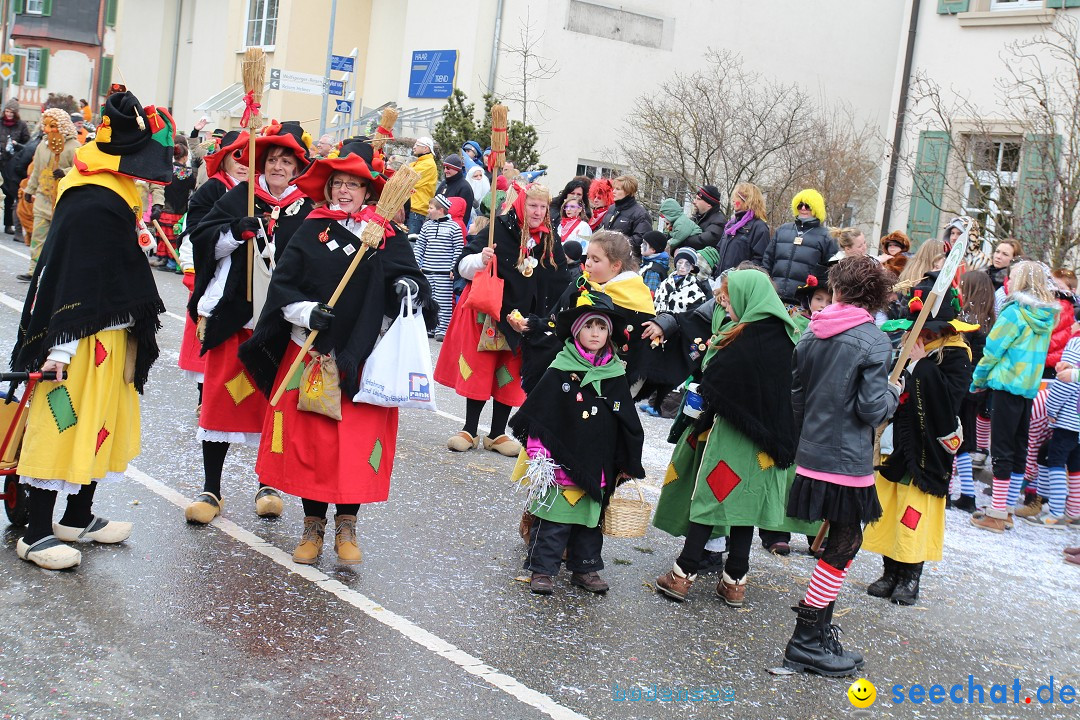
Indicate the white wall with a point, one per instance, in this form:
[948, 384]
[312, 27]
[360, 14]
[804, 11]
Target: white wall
[70, 72]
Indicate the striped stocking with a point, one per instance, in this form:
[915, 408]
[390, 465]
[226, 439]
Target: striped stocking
[962, 470]
[1057, 491]
[1072, 505]
[982, 432]
[1015, 483]
[1001, 494]
[824, 585]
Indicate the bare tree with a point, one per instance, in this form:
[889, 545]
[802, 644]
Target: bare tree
[530, 68]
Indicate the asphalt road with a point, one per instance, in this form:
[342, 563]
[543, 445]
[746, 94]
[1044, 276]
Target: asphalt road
[217, 622]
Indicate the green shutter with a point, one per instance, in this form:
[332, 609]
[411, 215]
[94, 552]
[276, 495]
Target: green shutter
[951, 7]
[1062, 3]
[1034, 211]
[17, 66]
[105, 76]
[18, 6]
[46, 7]
[110, 12]
[43, 68]
[928, 185]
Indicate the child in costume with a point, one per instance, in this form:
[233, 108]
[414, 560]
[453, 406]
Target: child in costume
[583, 437]
[655, 262]
[913, 482]
[52, 160]
[977, 297]
[436, 249]
[1063, 452]
[749, 437]
[91, 312]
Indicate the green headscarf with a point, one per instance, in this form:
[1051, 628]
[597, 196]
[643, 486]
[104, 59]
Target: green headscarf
[754, 298]
[569, 359]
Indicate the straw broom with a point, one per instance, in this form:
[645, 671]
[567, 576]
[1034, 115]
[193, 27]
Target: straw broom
[254, 72]
[385, 131]
[499, 116]
[394, 196]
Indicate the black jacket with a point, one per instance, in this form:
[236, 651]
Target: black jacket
[630, 218]
[748, 243]
[458, 186]
[712, 229]
[840, 394]
[799, 248]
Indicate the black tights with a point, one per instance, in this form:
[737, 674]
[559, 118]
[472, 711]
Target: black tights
[213, 457]
[845, 539]
[76, 514]
[499, 415]
[314, 508]
[736, 565]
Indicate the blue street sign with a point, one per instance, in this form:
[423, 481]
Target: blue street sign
[342, 63]
[336, 87]
[343, 106]
[432, 73]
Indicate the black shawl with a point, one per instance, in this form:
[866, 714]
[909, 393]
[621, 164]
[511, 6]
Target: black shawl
[609, 441]
[234, 310]
[91, 275]
[202, 202]
[928, 410]
[310, 271]
[748, 383]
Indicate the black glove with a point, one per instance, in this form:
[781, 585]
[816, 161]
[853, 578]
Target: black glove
[28, 199]
[59, 174]
[155, 212]
[243, 229]
[320, 318]
[405, 286]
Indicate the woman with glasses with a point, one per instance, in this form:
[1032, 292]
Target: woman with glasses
[574, 222]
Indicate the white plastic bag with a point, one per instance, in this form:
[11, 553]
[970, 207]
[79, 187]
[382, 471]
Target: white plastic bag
[398, 370]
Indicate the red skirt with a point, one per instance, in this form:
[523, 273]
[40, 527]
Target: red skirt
[333, 461]
[231, 401]
[474, 374]
[190, 347]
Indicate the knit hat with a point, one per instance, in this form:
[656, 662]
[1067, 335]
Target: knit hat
[687, 254]
[454, 161]
[656, 240]
[442, 201]
[77, 118]
[710, 194]
[710, 257]
[131, 140]
[12, 104]
[573, 250]
[427, 142]
[948, 314]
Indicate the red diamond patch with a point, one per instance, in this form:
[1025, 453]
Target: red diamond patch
[102, 436]
[911, 518]
[100, 353]
[722, 480]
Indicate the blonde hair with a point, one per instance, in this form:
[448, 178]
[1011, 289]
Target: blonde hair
[547, 254]
[752, 198]
[339, 174]
[1031, 277]
[845, 237]
[922, 261]
[616, 247]
[628, 183]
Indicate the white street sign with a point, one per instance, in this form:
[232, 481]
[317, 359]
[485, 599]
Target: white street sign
[297, 82]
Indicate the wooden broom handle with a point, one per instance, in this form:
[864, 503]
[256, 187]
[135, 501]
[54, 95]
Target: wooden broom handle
[168, 245]
[251, 206]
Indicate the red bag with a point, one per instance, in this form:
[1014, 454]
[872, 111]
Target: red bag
[486, 293]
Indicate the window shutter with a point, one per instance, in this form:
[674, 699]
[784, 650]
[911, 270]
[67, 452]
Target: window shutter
[1062, 3]
[46, 7]
[105, 78]
[43, 68]
[928, 184]
[17, 66]
[1036, 191]
[110, 12]
[19, 6]
[951, 7]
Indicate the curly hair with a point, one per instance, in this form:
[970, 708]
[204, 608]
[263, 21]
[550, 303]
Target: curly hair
[861, 281]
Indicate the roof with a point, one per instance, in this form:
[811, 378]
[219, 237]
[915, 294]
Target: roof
[75, 22]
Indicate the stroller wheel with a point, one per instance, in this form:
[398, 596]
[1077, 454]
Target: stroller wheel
[16, 501]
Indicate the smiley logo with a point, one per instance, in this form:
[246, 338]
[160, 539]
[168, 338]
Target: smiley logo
[862, 693]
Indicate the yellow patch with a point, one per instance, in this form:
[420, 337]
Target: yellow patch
[670, 476]
[463, 368]
[240, 388]
[277, 440]
[572, 495]
[704, 436]
[764, 461]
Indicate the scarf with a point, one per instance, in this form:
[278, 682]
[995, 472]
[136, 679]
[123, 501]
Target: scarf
[224, 178]
[626, 290]
[570, 359]
[736, 223]
[754, 298]
[948, 341]
[119, 184]
[363, 215]
[567, 226]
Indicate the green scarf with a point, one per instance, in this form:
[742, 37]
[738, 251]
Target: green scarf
[754, 298]
[570, 360]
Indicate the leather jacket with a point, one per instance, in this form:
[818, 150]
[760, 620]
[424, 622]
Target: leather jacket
[840, 394]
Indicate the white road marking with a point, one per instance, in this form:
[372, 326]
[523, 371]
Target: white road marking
[10, 301]
[392, 620]
[24, 256]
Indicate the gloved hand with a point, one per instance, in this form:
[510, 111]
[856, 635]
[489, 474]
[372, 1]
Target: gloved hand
[28, 199]
[320, 318]
[155, 212]
[58, 174]
[189, 281]
[244, 228]
[405, 286]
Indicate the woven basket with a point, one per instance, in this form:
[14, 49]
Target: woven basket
[626, 517]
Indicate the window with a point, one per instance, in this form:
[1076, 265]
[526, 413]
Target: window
[993, 173]
[36, 60]
[1016, 4]
[590, 170]
[652, 193]
[35, 7]
[262, 23]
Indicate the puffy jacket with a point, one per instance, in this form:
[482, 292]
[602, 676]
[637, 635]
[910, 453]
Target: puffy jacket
[1015, 350]
[1062, 332]
[425, 186]
[631, 219]
[456, 186]
[712, 229]
[840, 392]
[682, 227]
[798, 249]
[748, 243]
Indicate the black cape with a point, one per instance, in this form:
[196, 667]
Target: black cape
[91, 275]
[609, 441]
[310, 271]
[748, 383]
[202, 202]
[928, 410]
[234, 310]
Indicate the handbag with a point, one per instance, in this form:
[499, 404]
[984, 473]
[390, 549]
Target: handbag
[486, 293]
[320, 387]
[491, 338]
[397, 373]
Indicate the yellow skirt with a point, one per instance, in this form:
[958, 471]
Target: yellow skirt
[912, 524]
[86, 427]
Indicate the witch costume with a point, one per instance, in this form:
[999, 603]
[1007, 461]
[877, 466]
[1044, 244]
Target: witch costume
[92, 306]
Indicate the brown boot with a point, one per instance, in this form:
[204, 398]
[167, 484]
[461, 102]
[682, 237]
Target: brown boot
[311, 542]
[675, 583]
[590, 581]
[348, 551]
[988, 521]
[732, 592]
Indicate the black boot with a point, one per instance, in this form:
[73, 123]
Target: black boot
[807, 650]
[883, 587]
[832, 639]
[965, 503]
[907, 590]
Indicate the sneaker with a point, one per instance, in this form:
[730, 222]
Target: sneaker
[504, 445]
[649, 410]
[1054, 522]
[24, 277]
[439, 337]
[965, 503]
[157, 261]
[463, 442]
[675, 583]
[986, 522]
[982, 513]
[205, 507]
[268, 503]
[541, 584]
[49, 553]
[1031, 507]
[590, 581]
[107, 532]
[732, 592]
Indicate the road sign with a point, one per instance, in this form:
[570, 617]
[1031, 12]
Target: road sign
[343, 106]
[432, 73]
[7, 58]
[6, 72]
[22, 52]
[342, 63]
[297, 82]
[336, 87]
